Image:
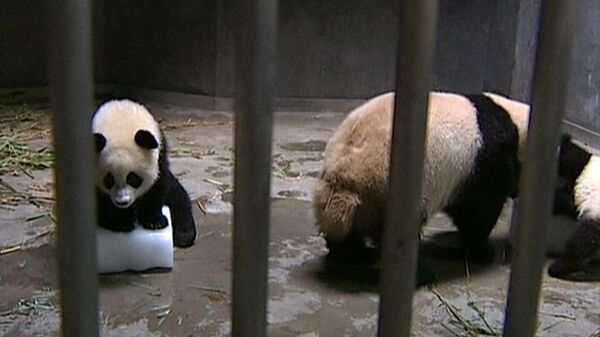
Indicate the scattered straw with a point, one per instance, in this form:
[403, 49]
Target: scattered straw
[20, 124]
[466, 327]
[9, 196]
[282, 168]
[174, 126]
[214, 182]
[25, 243]
[208, 289]
[162, 311]
[27, 307]
[18, 157]
[10, 250]
[188, 152]
[47, 214]
[162, 316]
[205, 235]
[201, 206]
[151, 290]
[551, 326]
[223, 187]
[213, 294]
[561, 316]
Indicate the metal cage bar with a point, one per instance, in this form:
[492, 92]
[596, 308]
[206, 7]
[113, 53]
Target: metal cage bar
[72, 107]
[255, 49]
[402, 219]
[549, 91]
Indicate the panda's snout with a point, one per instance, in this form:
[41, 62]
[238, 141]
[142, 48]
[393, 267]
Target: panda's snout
[123, 198]
[122, 204]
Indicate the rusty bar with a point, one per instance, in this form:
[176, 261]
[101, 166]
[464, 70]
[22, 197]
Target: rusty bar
[72, 107]
[535, 204]
[417, 29]
[255, 50]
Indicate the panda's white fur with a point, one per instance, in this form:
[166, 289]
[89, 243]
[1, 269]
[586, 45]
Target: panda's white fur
[577, 196]
[134, 180]
[356, 161]
[121, 154]
[587, 190]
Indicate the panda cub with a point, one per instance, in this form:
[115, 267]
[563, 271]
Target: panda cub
[577, 195]
[471, 165]
[133, 176]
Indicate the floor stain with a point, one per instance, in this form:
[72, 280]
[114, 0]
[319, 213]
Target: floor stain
[309, 146]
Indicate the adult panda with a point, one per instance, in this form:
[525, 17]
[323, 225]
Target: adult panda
[577, 196]
[133, 176]
[471, 165]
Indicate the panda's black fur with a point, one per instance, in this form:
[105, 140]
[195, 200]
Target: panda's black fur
[495, 176]
[472, 166]
[583, 244]
[165, 190]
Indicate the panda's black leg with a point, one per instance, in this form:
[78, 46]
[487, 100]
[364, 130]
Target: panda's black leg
[149, 206]
[583, 244]
[113, 218]
[149, 210]
[178, 200]
[350, 248]
[475, 221]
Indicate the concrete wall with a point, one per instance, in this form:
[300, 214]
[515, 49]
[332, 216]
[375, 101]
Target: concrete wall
[160, 44]
[23, 44]
[583, 104]
[347, 49]
[327, 49]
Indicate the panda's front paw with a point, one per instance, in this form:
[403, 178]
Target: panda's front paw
[157, 221]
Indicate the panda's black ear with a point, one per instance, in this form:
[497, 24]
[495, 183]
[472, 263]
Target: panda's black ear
[146, 140]
[100, 142]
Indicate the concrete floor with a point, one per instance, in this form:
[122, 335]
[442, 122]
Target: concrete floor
[306, 298]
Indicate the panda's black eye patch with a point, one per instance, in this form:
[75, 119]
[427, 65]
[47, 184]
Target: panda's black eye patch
[100, 141]
[134, 180]
[146, 140]
[109, 181]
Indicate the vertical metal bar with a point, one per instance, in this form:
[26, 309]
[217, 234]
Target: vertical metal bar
[549, 88]
[414, 67]
[71, 79]
[255, 50]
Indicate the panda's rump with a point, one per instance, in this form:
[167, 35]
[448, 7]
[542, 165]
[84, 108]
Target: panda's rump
[357, 155]
[453, 142]
[472, 148]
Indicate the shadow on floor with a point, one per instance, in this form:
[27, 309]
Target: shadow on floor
[441, 259]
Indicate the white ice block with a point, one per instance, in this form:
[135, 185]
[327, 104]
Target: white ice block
[138, 250]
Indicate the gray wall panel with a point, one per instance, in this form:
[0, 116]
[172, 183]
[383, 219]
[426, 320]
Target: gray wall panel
[161, 44]
[583, 103]
[327, 49]
[345, 49]
[23, 44]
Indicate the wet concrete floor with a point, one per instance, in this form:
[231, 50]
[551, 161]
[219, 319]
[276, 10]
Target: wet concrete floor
[307, 297]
